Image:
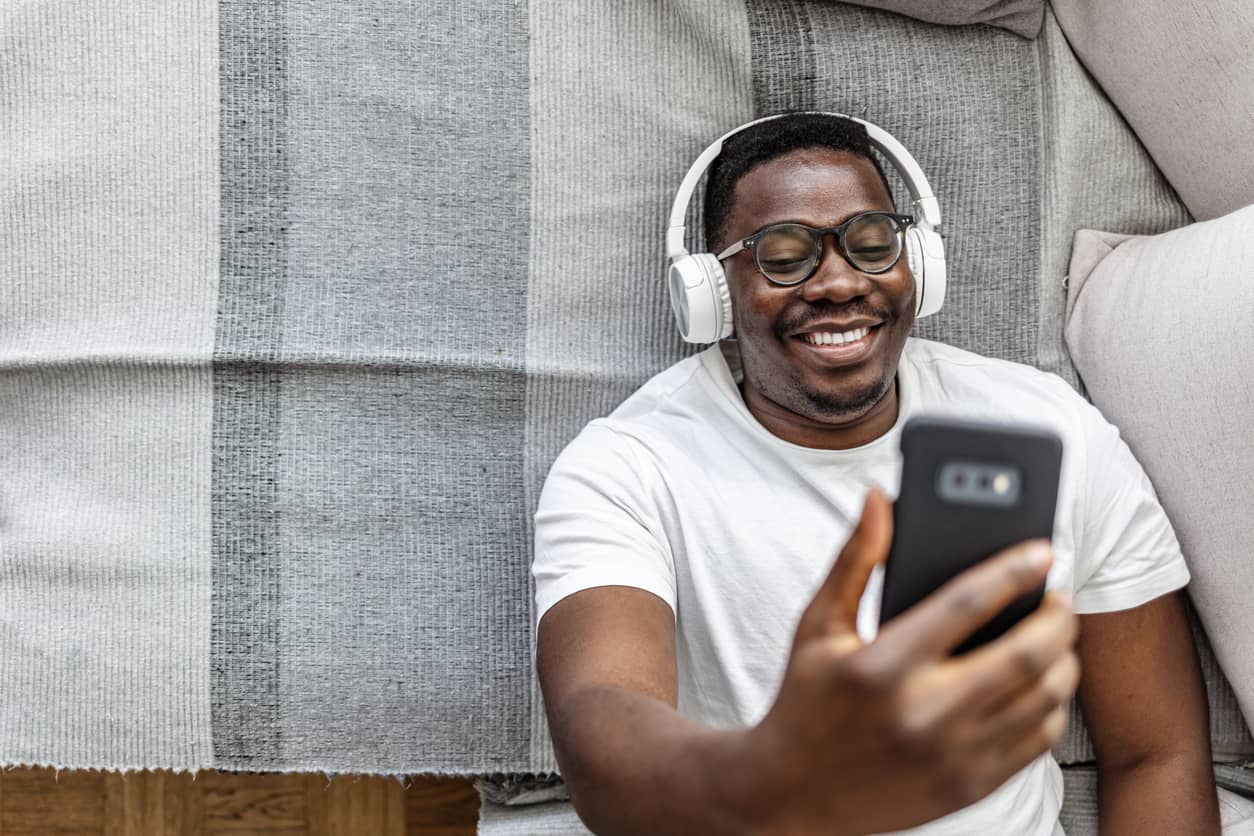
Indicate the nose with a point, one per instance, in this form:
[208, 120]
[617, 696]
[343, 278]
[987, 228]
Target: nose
[835, 279]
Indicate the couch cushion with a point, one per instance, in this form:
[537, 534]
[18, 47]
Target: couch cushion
[1023, 17]
[1182, 74]
[1160, 330]
[1094, 173]
[1079, 815]
[554, 818]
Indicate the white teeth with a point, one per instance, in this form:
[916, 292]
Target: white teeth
[830, 338]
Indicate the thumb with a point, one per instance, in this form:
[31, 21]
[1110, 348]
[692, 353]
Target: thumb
[834, 610]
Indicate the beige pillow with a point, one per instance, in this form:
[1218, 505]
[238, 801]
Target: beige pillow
[1182, 73]
[1161, 329]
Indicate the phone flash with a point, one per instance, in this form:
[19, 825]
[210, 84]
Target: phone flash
[1001, 483]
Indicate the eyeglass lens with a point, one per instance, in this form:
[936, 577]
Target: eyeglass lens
[787, 253]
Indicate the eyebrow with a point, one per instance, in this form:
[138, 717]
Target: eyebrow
[806, 222]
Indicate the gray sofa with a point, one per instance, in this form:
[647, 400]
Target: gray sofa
[298, 301]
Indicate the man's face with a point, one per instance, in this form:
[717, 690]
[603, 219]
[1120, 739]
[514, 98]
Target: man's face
[835, 385]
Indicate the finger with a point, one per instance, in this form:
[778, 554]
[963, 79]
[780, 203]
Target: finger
[1019, 658]
[980, 691]
[834, 609]
[1005, 760]
[985, 767]
[1029, 707]
[939, 623]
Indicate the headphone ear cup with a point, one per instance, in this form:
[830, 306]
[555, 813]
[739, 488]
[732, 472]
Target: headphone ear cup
[700, 298]
[925, 254]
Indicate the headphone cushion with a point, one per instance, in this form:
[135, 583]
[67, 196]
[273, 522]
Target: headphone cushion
[721, 293]
[915, 250]
[925, 254]
[700, 298]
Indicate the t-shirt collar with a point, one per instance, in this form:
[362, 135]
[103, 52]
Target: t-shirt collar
[722, 362]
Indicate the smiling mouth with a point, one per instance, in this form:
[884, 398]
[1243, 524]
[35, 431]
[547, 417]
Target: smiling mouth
[833, 338]
[840, 347]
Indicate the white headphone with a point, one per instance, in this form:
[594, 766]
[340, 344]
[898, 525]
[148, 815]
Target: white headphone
[698, 285]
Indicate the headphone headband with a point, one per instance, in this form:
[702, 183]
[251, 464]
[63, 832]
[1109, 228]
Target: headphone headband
[920, 191]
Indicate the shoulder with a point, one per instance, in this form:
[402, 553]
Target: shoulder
[954, 381]
[951, 361]
[619, 442]
[689, 392]
[1095, 458]
[679, 383]
[948, 373]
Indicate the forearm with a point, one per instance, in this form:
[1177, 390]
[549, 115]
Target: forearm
[1144, 703]
[1170, 794]
[634, 765]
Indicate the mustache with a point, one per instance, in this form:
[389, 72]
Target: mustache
[810, 312]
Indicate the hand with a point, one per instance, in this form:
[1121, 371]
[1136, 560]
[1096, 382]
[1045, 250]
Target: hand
[871, 737]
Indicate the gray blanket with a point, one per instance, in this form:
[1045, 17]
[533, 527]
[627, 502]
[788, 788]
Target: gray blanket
[298, 301]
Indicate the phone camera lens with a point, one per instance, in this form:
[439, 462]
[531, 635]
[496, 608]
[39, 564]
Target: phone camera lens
[985, 483]
[960, 479]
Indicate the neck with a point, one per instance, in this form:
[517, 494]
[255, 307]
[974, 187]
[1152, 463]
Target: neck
[830, 434]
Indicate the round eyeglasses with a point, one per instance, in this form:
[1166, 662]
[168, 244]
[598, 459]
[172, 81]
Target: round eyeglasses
[788, 254]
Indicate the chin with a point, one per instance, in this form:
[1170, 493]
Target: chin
[845, 405]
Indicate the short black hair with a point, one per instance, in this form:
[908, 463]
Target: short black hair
[766, 141]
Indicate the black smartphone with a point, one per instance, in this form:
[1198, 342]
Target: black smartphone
[968, 490]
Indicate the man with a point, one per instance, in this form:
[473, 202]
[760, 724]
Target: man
[690, 688]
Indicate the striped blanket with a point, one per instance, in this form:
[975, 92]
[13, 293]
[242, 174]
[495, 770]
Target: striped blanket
[298, 301]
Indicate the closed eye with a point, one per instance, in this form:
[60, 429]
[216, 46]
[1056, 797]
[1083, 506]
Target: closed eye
[874, 252]
[785, 260]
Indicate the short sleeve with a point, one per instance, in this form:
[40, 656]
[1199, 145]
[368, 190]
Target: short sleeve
[598, 522]
[1126, 551]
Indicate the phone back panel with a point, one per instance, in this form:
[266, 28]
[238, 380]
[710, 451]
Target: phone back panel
[939, 531]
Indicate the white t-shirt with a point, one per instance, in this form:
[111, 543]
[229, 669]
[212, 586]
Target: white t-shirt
[681, 492]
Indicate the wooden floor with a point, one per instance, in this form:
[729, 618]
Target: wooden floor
[38, 802]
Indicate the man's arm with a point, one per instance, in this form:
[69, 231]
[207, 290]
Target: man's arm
[632, 764]
[1144, 703]
[862, 737]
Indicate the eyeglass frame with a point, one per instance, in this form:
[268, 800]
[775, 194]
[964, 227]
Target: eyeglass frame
[817, 234]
